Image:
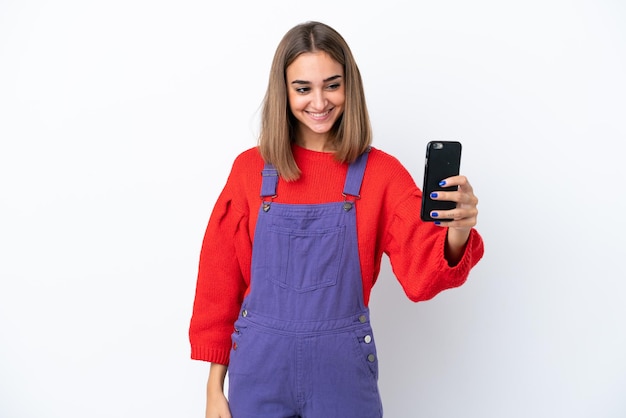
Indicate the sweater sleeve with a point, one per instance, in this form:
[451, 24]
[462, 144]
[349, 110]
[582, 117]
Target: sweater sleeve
[221, 283]
[416, 252]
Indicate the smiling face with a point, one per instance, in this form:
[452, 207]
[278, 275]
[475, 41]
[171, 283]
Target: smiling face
[316, 94]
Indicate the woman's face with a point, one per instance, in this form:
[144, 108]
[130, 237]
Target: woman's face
[316, 93]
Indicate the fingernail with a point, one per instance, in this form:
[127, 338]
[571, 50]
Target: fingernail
[437, 223]
[434, 195]
[434, 215]
[442, 183]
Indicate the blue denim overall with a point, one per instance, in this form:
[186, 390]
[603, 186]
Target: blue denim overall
[303, 344]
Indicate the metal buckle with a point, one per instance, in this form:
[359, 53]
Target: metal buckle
[349, 204]
[266, 203]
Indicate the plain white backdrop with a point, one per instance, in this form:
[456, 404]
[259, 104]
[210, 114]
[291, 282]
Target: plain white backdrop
[118, 124]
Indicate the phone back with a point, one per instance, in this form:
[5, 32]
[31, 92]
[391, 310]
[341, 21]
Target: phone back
[443, 159]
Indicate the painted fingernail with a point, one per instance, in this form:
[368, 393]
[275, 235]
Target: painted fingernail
[434, 195]
[442, 183]
[437, 223]
[434, 214]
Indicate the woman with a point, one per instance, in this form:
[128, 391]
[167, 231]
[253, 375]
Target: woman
[295, 241]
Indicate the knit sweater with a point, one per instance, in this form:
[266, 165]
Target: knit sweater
[387, 219]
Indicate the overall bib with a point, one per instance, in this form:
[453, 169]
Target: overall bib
[303, 344]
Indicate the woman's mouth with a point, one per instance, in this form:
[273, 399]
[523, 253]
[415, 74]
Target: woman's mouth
[321, 115]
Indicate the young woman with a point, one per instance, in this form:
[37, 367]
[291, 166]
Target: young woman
[295, 241]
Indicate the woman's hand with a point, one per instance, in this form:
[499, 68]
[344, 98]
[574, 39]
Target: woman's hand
[217, 405]
[463, 217]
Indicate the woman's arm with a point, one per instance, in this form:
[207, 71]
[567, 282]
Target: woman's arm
[216, 403]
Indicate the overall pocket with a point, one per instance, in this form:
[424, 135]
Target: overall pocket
[304, 260]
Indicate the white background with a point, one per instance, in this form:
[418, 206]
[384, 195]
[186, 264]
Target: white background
[119, 121]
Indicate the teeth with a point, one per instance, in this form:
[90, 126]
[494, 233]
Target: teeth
[318, 115]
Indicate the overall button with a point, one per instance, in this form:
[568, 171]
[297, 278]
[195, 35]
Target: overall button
[347, 206]
[362, 319]
[371, 358]
[244, 313]
[367, 339]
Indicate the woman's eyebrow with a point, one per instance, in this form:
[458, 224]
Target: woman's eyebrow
[331, 78]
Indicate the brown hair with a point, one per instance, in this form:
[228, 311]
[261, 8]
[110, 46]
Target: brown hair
[352, 133]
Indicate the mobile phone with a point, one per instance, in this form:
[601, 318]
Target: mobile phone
[443, 159]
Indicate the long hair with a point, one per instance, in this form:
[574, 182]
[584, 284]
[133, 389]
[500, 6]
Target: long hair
[351, 134]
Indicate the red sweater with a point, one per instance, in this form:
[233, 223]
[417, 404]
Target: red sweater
[387, 222]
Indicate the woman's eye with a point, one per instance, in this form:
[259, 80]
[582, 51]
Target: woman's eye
[333, 86]
[303, 90]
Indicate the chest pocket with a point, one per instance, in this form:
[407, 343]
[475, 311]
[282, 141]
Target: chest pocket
[303, 260]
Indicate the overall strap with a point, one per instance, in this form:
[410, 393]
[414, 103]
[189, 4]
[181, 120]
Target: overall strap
[352, 186]
[269, 181]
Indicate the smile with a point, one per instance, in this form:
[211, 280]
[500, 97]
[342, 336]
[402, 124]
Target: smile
[319, 115]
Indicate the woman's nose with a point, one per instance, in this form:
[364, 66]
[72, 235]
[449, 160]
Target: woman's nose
[318, 100]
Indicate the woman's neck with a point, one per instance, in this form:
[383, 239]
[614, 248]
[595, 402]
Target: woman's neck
[314, 141]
